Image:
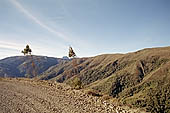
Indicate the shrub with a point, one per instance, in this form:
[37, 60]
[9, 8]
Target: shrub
[76, 83]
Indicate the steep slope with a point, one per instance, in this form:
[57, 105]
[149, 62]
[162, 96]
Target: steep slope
[141, 78]
[26, 66]
[78, 66]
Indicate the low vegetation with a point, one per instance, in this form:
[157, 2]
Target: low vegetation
[140, 79]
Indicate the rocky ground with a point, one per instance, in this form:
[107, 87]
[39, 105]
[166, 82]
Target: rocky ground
[30, 96]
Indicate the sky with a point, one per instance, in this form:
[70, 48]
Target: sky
[91, 27]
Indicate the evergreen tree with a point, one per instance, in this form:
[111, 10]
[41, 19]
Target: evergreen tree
[71, 52]
[27, 50]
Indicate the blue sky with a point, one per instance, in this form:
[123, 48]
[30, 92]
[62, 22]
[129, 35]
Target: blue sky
[91, 27]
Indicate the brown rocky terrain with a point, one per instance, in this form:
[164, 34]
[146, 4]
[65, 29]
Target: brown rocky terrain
[30, 96]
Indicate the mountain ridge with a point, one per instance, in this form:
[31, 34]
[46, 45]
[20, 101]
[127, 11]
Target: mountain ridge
[141, 78]
[26, 66]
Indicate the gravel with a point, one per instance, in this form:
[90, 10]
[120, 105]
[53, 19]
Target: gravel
[31, 96]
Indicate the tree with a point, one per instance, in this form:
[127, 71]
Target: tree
[29, 72]
[71, 52]
[27, 50]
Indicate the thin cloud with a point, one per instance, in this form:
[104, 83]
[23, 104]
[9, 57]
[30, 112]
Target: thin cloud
[10, 45]
[69, 40]
[39, 22]
[16, 48]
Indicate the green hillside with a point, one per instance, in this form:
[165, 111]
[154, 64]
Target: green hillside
[140, 79]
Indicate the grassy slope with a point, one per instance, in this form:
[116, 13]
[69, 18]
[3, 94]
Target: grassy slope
[141, 79]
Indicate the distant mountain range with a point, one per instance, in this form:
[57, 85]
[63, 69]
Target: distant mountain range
[141, 78]
[27, 66]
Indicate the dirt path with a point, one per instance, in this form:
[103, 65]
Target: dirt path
[27, 96]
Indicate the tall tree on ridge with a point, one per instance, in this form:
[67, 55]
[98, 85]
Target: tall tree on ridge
[71, 53]
[27, 50]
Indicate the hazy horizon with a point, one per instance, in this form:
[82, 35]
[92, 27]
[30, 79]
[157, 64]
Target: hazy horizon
[90, 27]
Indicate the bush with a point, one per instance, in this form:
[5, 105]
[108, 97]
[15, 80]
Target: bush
[93, 93]
[76, 83]
[158, 101]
